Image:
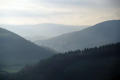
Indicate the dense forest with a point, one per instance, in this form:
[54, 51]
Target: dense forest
[99, 63]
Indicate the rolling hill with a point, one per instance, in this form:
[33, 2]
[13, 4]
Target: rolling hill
[99, 34]
[15, 51]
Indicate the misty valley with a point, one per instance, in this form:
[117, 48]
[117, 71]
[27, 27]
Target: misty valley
[60, 52]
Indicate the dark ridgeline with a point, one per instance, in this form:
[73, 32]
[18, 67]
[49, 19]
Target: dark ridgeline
[100, 34]
[99, 63]
[15, 51]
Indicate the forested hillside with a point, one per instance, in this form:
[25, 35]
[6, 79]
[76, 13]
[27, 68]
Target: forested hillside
[100, 63]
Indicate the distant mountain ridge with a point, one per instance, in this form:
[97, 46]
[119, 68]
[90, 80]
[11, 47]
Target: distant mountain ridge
[99, 34]
[41, 31]
[15, 50]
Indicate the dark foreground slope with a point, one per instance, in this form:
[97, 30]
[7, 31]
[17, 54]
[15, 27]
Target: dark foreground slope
[15, 51]
[100, 34]
[89, 64]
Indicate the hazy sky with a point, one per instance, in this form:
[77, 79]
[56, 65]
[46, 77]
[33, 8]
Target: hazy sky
[72, 12]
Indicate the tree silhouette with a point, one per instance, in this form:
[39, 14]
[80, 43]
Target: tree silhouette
[98, 63]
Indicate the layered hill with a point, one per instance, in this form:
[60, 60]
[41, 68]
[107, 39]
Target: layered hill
[99, 34]
[41, 31]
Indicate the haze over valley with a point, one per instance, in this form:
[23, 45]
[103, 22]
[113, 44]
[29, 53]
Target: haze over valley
[96, 35]
[42, 31]
[59, 39]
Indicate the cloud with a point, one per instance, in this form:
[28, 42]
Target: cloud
[75, 12]
[80, 3]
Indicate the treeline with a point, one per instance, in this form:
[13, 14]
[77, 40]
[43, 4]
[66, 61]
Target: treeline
[99, 63]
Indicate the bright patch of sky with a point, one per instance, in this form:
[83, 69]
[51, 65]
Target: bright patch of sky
[70, 12]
